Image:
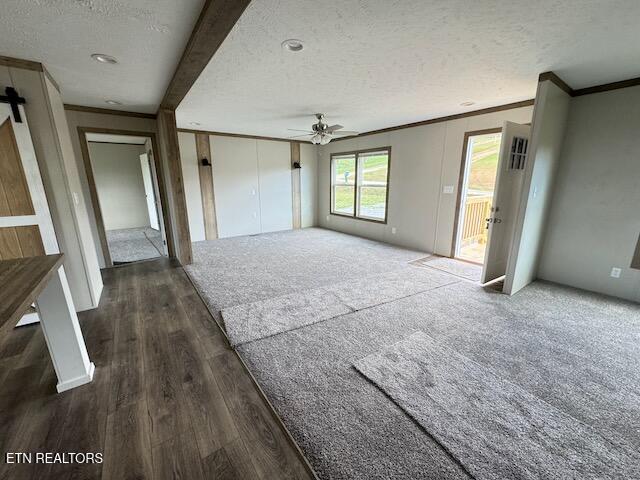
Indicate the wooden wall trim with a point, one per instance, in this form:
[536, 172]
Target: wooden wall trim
[169, 138]
[203, 150]
[296, 198]
[632, 82]
[635, 261]
[20, 63]
[551, 76]
[216, 20]
[108, 111]
[555, 79]
[238, 135]
[499, 108]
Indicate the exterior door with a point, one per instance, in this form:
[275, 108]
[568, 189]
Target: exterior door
[501, 222]
[26, 228]
[148, 191]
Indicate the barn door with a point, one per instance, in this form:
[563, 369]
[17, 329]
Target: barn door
[26, 229]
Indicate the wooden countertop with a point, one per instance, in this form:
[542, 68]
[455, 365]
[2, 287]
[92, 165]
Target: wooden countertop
[21, 281]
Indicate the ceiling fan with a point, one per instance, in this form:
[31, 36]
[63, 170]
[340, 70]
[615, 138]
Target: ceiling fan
[321, 133]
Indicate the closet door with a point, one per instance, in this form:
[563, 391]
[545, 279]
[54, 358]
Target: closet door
[274, 174]
[235, 181]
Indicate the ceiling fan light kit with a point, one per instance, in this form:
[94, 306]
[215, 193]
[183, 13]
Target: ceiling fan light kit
[321, 133]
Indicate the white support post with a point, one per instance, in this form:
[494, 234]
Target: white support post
[63, 335]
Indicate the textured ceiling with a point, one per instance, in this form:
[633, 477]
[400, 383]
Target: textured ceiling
[146, 36]
[371, 64]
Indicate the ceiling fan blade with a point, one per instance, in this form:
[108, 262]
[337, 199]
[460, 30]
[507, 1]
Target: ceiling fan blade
[296, 130]
[333, 128]
[298, 136]
[347, 133]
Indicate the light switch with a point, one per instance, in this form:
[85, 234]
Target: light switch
[448, 189]
[616, 272]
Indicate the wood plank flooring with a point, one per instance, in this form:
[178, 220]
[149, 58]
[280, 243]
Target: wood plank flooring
[169, 399]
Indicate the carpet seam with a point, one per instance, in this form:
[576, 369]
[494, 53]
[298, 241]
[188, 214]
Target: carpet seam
[353, 310]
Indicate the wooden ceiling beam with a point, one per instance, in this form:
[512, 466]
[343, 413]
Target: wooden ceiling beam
[214, 24]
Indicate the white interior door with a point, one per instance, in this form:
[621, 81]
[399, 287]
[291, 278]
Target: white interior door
[511, 163]
[148, 191]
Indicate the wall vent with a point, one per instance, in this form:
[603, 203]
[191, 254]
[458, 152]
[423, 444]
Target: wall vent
[518, 154]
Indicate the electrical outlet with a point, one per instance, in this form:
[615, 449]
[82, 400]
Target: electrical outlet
[616, 272]
[393, 230]
[447, 189]
[328, 218]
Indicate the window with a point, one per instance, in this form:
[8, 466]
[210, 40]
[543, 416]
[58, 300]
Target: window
[359, 184]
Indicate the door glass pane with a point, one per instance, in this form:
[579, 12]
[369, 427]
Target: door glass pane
[374, 169]
[344, 184]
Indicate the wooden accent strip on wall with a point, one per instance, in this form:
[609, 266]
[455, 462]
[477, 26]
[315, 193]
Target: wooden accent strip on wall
[203, 150]
[15, 198]
[20, 242]
[635, 261]
[216, 20]
[168, 135]
[295, 186]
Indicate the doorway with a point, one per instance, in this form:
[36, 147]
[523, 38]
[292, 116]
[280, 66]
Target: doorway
[475, 194]
[127, 195]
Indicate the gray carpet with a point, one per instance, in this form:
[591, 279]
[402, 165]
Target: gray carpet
[459, 268]
[253, 321]
[577, 351]
[493, 427]
[134, 244]
[239, 270]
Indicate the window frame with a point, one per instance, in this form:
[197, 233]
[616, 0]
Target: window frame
[357, 186]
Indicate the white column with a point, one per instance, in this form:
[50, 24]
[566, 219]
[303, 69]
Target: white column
[63, 335]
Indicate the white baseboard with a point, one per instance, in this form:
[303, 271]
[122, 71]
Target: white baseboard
[76, 382]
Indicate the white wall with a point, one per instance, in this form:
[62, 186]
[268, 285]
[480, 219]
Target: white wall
[547, 134]
[424, 160]
[252, 185]
[61, 178]
[274, 185]
[235, 181]
[594, 221]
[308, 183]
[118, 177]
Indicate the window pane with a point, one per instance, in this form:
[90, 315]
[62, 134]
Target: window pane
[374, 169]
[343, 200]
[343, 181]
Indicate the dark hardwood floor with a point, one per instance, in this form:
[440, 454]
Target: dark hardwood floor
[169, 398]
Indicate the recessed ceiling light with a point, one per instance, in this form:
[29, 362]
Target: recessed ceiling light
[102, 58]
[292, 45]
[113, 102]
[195, 124]
[467, 104]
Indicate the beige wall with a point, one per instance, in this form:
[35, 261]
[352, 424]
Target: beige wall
[61, 178]
[594, 221]
[77, 119]
[547, 135]
[424, 160]
[118, 177]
